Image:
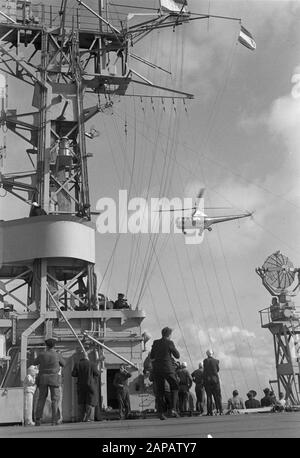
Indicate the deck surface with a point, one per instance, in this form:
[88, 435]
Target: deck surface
[272, 425]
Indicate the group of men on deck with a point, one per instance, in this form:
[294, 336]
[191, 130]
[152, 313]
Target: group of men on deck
[48, 378]
[162, 356]
[164, 372]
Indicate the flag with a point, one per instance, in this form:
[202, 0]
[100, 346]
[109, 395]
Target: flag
[246, 39]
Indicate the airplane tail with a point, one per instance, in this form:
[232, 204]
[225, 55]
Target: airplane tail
[221, 219]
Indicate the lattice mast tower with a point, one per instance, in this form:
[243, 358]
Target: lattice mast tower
[61, 54]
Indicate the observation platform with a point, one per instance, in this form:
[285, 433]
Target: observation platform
[31, 17]
[285, 317]
[53, 237]
[26, 33]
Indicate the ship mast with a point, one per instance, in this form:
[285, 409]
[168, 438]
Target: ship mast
[61, 54]
[48, 284]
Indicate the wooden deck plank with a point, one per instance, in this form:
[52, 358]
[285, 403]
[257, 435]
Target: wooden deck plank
[271, 425]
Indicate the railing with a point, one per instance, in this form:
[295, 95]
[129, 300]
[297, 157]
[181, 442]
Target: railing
[43, 14]
[265, 316]
[273, 314]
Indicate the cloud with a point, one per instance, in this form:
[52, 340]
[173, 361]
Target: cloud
[246, 359]
[230, 343]
[281, 118]
[283, 122]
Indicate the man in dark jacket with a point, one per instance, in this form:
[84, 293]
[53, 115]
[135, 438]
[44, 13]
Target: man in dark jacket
[252, 403]
[121, 302]
[121, 383]
[36, 210]
[49, 363]
[164, 370]
[212, 383]
[185, 382]
[198, 379]
[86, 373]
[267, 400]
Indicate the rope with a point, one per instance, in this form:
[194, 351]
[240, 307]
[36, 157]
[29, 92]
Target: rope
[173, 308]
[186, 291]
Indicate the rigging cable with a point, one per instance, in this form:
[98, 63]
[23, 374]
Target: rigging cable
[217, 100]
[111, 259]
[163, 184]
[130, 190]
[186, 292]
[155, 148]
[223, 166]
[210, 252]
[132, 271]
[162, 192]
[173, 308]
[237, 306]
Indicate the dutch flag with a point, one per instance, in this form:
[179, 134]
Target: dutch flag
[246, 39]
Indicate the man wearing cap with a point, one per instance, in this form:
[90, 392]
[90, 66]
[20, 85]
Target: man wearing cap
[49, 363]
[212, 382]
[164, 370]
[121, 302]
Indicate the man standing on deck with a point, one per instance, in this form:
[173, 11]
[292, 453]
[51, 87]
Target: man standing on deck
[198, 379]
[164, 370]
[121, 384]
[212, 382]
[49, 363]
[86, 373]
[185, 382]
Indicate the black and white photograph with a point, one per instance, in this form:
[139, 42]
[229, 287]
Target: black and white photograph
[149, 231]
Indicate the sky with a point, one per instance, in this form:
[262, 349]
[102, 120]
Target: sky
[238, 138]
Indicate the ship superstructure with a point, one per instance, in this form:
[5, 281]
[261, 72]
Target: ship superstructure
[59, 52]
[48, 285]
